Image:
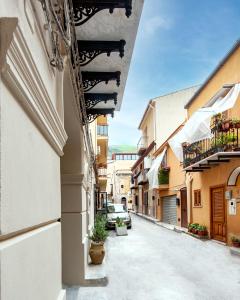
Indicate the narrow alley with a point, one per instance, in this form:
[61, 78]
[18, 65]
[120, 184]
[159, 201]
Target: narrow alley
[156, 263]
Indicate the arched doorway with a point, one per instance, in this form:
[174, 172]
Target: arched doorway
[232, 180]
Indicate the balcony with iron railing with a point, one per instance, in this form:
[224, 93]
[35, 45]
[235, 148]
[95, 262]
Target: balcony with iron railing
[102, 172]
[163, 178]
[221, 147]
[102, 131]
[142, 144]
[142, 178]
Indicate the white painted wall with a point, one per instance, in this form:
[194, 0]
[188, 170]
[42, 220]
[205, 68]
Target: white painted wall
[30, 185]
[170, 113]
[31, 265]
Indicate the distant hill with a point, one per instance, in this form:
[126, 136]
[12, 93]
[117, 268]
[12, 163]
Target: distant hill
[121, 149]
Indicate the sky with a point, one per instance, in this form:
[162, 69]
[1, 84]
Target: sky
[179, 43]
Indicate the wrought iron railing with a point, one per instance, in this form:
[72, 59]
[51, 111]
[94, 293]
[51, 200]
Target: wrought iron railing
[102, 172]
[225, 138]
[163, 176]
[142, 143]
[60, 24]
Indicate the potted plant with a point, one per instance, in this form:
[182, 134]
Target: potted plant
[225, 125]
[235, 242]
[98, 237]
[202, 230]
[190, 227]
[121, 227]
[236, 123]
[195, 228]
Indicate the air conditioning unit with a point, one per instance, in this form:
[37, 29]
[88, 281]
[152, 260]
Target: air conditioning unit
[147, 162]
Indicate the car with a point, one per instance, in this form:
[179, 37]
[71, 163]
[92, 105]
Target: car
[117, 210]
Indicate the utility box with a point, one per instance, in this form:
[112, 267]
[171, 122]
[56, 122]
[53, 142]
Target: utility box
[232, 207]
[228, 195]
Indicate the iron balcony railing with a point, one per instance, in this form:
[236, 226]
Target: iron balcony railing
[102, 172]
[225, 138]
[142, 143]
[142, 178]
[102, 130]
[163, 176]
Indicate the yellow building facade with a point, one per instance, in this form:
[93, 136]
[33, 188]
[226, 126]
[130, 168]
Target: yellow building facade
[214, 191]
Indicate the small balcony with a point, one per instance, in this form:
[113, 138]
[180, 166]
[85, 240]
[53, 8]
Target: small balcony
[221, 148]
[142, 145]
[102, 173]
[142, 178]
[163, 178]
[133, 183]
[102, 131]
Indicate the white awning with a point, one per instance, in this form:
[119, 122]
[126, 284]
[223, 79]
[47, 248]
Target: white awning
[198, 126]
[152, 174]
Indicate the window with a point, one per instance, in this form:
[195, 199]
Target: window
[197, 198]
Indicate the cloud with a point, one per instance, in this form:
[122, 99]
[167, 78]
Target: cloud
[155, 23]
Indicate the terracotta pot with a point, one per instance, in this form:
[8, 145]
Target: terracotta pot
[226, 125]
[236, 244]
[202, 232]
[97, 253]
[195, 231]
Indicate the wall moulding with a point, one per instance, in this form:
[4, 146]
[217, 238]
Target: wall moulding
[74, 179]
[21, 74]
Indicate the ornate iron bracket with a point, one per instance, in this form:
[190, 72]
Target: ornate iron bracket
[88, 50]
[90, 79]
[92, 113]
[85, 9]
[92, 99]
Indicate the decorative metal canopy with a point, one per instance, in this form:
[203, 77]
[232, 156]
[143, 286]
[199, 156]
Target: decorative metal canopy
[92, 113]
[90, 79]
[91, 99]
[85, 9]
[88, 50]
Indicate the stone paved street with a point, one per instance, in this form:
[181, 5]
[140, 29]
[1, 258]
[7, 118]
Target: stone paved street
[154, 263]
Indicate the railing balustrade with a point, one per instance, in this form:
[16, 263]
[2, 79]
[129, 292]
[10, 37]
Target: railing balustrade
[102, 130]
[225, 138]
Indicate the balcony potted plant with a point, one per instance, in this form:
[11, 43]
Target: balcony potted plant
[98, 237]
[236, 123]
[121, 227]
[202, 231]
[226, 124]
[163, 175]
[235, 242]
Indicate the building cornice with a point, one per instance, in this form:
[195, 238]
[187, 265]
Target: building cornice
[20, 72]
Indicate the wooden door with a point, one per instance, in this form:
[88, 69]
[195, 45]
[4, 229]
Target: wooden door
[218, 215]
[184, 216]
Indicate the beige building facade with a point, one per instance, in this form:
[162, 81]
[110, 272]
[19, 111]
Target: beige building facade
[119, 177]
[48, 171]
[167, 109]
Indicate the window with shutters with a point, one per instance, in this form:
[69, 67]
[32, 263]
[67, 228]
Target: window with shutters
[197, 198]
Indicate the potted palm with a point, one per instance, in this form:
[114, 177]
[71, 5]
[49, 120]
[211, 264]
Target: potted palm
[121, 227]
[98, 237]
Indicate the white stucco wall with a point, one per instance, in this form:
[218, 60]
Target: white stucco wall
[170, 110]
[30, 170]
[31, 265]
